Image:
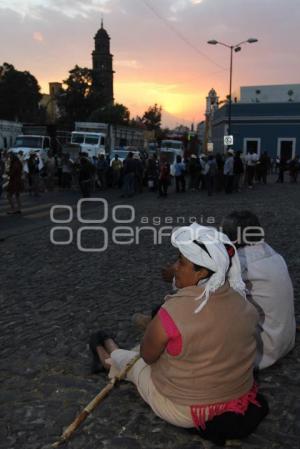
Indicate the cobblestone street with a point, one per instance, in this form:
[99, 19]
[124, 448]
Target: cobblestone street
[53, 297]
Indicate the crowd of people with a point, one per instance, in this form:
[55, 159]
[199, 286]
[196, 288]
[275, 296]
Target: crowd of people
[231, 173]
[230, 315]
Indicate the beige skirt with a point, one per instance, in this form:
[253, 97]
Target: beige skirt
[140, 376]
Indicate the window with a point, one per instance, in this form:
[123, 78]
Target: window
[252, 144]
[286, 148]
[102, 140]
[92, 140]
[77, 138]
[29, 142]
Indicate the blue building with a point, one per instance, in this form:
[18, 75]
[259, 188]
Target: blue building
[272, 127]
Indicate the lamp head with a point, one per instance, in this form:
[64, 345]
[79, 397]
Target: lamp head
[237, 49]
[252, 40]
[212, 42]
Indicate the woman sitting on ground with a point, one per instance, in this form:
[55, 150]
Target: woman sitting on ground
[197, 354]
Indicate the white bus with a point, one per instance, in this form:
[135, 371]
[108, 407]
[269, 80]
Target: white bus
[92, 143]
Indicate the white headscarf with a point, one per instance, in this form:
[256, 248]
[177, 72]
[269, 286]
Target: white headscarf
[217, 260]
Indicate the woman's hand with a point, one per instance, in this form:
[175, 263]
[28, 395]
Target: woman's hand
[154, 341]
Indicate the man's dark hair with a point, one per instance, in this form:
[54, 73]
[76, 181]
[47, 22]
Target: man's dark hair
[234, 224]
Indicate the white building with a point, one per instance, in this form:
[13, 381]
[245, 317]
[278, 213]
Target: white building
[8, 133]
[281, 93]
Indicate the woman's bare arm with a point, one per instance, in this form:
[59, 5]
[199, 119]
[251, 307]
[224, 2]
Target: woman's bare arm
[154, 341]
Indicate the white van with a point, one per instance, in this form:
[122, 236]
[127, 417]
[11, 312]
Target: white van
[91, 143]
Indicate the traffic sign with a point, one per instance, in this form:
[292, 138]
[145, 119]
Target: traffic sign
[228, 140]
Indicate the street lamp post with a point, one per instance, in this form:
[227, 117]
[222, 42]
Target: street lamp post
[236, 48]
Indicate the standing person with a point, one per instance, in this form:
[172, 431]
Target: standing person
[197, 354]
[15, 184]
[152, 172]
[294, 167]
[129, 171]
[86, 172]
[251, 159]
[194, 172]
[116, 166]
[2, 172]
[203, 160]
[139, 173]
[269, 287]
[211, 172]
[109, 172]
[94, 180]
[50, 170]
[238, 171]
[58, 161]
[228, 171]
[33, 174]
[164, 177]
[101, 171]
[179, 175]
[282, 168]
[263, 167]
[67, 168]
[220, 172]
[277, 162]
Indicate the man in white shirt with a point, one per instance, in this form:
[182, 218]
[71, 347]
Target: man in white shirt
[228, 171]
[269, 287]
[251, 160]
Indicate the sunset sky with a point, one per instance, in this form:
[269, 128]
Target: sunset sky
[159, 46]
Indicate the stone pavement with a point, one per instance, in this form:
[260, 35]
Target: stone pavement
[53, 297]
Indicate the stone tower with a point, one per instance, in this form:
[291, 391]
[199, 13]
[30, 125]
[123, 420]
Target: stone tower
[102, 68]
[212, 104]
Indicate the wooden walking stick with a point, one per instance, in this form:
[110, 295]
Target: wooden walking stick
[93, 404]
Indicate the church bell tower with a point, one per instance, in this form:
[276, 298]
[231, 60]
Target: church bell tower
[102, 68]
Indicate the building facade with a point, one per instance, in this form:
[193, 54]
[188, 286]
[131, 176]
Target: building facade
[103, 68]
[8, 133]
[263, 118]
[50, 102]
[277, 93]
[271, 127]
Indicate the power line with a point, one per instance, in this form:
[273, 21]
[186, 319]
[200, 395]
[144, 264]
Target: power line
[180, 35]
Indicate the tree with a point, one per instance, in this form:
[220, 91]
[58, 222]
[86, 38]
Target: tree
[117, 114]
[152, 118]
[137, 122]
[19, 95]
[76, 102]
[162, 134]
